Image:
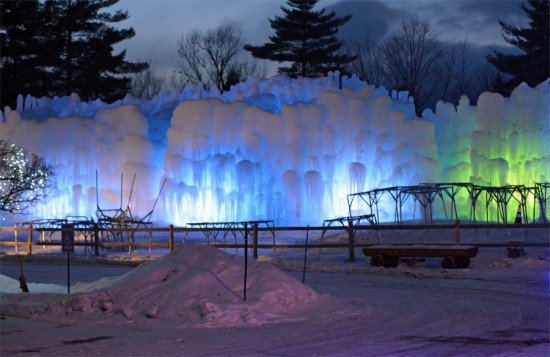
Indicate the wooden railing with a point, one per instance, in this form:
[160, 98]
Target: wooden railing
[93, 243]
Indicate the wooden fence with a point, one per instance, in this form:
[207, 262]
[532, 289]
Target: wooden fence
[93, 243]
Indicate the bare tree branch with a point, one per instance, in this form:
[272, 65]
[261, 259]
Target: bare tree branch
[409, 60]
[215, 59]
[367, 65]
[147, 84]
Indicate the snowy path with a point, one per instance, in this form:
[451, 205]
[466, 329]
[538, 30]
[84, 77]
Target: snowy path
[57, 273]
[412, 312]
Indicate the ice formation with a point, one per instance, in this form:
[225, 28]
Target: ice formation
[288, 150]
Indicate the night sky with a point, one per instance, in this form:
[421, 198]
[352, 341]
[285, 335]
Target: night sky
[160, 23]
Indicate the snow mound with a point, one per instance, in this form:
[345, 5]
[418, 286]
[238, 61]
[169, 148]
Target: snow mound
[197, 285]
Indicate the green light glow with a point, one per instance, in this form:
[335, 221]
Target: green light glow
[498, 143]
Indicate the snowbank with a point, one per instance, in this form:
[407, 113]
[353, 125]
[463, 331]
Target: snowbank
[195, 285]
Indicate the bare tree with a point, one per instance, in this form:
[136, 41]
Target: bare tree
[454, 70]
[485, 77]
[367, 65]
[445, 73]
[462, 70]
[24, 179]
[465, 62]
[409, 60]
[147, 84]
[215, 59]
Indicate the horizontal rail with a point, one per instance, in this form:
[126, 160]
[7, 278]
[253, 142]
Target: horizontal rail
[292, 228]
[263, 246]
[365, 245]
[93, 233]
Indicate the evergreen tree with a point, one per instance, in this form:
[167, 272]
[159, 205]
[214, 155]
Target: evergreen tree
[83, 60]
[306, 38]
[20, 69]
[533, 65]
[58, 47]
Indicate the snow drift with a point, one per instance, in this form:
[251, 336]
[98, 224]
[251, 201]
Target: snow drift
[196, 286]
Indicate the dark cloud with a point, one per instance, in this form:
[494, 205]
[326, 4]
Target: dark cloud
[451, 20]
[478, 20]
[491, 8]
[368, 17]
[160, 23]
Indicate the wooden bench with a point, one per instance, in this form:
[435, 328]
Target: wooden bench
[454, 256]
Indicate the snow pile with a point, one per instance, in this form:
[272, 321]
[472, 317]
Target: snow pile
[195, 285]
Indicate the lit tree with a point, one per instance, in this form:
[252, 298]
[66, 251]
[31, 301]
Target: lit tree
[24, 179]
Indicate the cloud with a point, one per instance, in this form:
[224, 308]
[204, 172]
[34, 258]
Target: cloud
[368, 17]
[474, 20]
[160, 23]
[491, 8]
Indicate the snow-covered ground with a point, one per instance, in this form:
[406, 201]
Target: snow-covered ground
[191, 303]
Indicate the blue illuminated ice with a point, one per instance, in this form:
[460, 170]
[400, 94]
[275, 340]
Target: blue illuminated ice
[282, 149]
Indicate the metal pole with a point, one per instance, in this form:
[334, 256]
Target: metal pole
[68, 274]
[305, 256]
[171, 238]
[245, 256]
[255, 237]
[351, 244]
[96, 240]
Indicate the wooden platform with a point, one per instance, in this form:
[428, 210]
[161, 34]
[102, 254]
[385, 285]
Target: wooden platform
[454, 256]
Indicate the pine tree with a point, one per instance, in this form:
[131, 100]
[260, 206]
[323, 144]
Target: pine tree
[19, 37]
[533, 65]
[83, 59]
[58, 47]
[306, 38]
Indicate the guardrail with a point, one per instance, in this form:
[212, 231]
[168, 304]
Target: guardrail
[93, 243]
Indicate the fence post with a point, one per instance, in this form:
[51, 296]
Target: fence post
[171, 230]
[457, 232]
[96, 240]
[255, 249]
[29, 241]
[351, 243]
[16, 235]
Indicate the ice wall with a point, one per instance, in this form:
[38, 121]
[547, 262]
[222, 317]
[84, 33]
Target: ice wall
[282, 149]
